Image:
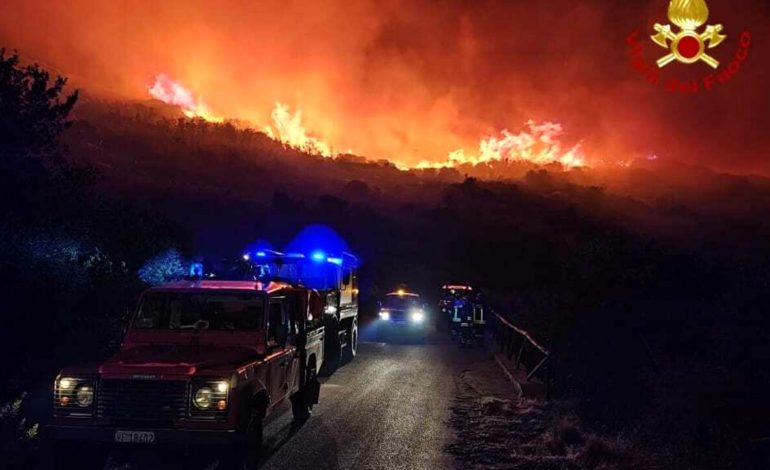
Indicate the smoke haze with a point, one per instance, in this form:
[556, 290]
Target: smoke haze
[416, 80]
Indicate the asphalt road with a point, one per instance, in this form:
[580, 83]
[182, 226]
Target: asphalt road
[389, 408]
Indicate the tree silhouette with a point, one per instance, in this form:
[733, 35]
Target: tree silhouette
[33, 114]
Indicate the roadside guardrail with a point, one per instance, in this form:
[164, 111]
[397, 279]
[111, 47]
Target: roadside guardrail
[529, 357]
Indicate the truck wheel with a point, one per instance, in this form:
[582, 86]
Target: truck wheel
[253, 442]
[301, 402]
[332, 353]
[352, 349]
[246, 456]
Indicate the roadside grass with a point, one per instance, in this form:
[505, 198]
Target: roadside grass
[18, 436]
[496, 430]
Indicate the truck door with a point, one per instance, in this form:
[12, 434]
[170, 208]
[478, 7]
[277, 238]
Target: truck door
[346, 287]
[279, 355]
[295, 315]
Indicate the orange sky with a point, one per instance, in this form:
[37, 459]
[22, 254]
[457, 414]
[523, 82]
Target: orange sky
[413, 80]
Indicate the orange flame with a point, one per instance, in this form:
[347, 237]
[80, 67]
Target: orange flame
[540, 144]
[168, 91]
[287, 127]
[291, 132]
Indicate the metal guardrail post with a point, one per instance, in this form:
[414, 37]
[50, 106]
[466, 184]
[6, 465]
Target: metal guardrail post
[507, 335]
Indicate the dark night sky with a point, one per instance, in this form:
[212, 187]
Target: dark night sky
[418, 79]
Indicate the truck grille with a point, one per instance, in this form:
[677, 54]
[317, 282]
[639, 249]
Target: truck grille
[146, 401]
[398, 316]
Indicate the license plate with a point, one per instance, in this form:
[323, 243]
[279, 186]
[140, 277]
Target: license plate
[135, 437]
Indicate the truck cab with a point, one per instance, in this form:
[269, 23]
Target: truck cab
[402, 312]
[202, 362]
[334, 277]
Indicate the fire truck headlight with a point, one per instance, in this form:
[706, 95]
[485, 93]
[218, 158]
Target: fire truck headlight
[222, 387]
[209, 397]
[418, 316]
[71, 394]
[384, 315]
[202, 398]
[84, 396]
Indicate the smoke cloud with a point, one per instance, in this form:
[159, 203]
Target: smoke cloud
[415, 80]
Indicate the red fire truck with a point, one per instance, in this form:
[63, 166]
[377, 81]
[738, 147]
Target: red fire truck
[333, 276]
[203, 362]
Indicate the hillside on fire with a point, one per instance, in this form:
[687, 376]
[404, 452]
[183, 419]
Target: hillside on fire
[648, 280]
[148, 150]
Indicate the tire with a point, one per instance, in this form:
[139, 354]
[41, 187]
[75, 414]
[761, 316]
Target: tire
[332, 353]
[252, 446]
[352, 349]
[301, 403]
[247, 454]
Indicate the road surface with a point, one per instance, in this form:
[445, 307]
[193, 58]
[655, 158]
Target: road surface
[388, 408]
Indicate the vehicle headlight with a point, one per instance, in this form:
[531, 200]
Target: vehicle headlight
[73, 393]
[418, 316]
[202, 399]
[210, 397]
[384, 314]
[84, 396]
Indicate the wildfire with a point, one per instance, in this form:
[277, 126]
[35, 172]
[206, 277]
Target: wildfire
[291, 132]
[539, 143]
[167, 90]
[286, 127]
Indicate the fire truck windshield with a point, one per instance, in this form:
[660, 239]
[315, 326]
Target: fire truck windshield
[397, 302]
[200, 311]
[308, 273]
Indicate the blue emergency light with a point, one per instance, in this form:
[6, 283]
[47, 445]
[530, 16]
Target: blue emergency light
[196, 270]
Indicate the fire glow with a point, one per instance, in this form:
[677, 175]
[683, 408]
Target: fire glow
[168, 91]
[539, 144]
[290, 131]
[286, 128]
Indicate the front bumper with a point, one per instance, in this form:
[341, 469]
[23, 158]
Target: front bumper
[401, 326]
[161, 436]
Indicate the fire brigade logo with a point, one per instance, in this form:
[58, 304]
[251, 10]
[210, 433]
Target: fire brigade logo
[688, 46]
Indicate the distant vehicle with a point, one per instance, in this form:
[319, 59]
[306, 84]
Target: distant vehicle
[202, 363]
[334, 277]
[402, 312]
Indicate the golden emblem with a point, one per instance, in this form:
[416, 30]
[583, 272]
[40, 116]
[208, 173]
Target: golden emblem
[688, 46]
